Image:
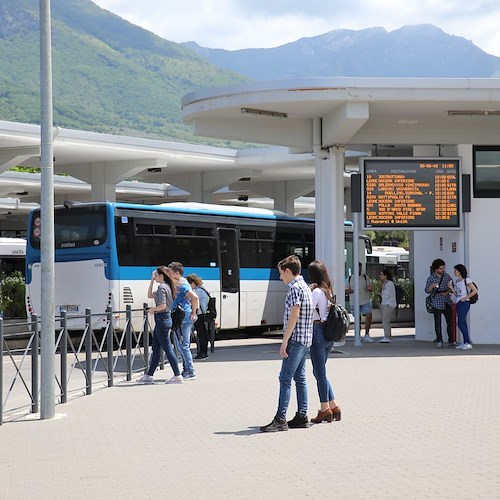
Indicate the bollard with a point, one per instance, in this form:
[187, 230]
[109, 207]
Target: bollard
[64, 357]
[109, 341]
[1, 372]
[145, 334]
[128, 342]
[88, 351]
[34, 365]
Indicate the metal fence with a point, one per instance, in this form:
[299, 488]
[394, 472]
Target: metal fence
[88, 360]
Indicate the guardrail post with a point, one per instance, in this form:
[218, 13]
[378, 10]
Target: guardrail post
[145, 334]
[64, 357]
[1, 372]
[88, 351]
[128, 342]
[34, 365]
[109, 342]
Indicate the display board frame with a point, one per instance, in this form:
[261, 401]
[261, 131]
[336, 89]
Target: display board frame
[411, 181]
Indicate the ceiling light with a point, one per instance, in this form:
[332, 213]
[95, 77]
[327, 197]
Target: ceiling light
[263, 112]
[473, 112]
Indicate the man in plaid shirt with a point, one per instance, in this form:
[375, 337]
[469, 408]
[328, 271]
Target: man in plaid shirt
[437, 286]
[297, 338]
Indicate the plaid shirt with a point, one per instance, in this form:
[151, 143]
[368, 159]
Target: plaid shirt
[439, 301]
[299, 293]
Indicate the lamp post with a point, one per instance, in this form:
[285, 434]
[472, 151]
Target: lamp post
[47, 400]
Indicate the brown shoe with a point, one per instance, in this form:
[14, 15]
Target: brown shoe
[323, 416]
[336, 413]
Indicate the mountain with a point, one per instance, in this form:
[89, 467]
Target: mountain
[114, 77]
[411, 51]
[108, 75]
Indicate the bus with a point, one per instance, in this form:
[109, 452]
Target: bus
[12, 255]
[105, 253]
[397, 259]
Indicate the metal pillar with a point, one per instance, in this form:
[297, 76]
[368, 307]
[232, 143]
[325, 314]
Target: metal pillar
[48, 403]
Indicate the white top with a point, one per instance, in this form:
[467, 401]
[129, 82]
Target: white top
[461, 289]
[321, 302]
[389, 294]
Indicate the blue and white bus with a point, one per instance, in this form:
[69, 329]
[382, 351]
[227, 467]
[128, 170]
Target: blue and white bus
[105, 253]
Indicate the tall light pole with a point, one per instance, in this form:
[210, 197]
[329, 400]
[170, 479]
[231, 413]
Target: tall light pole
[47, 400]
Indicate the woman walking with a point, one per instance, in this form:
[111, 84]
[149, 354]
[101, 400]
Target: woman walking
[388, 303]
[322, 294]
[163, 296]
[461, 292]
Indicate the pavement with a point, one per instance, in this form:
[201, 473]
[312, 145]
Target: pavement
[417, 423]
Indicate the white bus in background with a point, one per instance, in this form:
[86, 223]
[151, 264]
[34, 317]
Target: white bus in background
[105, 253]
[12, 255]
[397, 259]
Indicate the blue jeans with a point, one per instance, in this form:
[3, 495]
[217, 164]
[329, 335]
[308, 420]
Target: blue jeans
[183, 343]
[293, 367]
[161, 339]
[462, 311]
[320, 350]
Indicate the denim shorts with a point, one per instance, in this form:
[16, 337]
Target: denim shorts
[366, 308]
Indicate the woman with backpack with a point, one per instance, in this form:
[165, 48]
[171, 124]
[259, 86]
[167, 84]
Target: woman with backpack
[387, 303]
[461, 293]
[322, 293]
[200, 324]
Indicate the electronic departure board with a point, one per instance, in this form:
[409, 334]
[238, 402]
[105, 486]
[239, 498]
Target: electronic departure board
[411, 193]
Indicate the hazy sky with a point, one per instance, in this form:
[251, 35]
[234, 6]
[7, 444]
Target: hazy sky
[237, 24]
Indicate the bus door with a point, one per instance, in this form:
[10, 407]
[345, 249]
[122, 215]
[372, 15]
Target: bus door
[229, 279]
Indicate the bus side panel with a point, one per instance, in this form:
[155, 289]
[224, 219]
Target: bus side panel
[262, 303]
[78, 285]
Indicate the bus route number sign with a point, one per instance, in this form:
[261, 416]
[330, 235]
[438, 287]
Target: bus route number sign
[411, 193]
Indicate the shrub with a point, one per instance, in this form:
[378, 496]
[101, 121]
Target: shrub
[12, 291]
[405, 283]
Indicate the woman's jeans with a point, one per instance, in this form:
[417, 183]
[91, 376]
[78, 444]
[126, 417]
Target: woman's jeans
[161, 339]
[183, 344]
[201, 329]
[293, 367]
[320, 350]
[462, 311]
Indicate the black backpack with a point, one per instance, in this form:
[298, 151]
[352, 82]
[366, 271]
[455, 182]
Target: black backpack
[399, 294]
[211, 312]
[475, 297]
[336, 324]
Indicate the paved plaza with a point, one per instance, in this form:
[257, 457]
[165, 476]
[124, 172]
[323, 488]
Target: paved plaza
[417, 423]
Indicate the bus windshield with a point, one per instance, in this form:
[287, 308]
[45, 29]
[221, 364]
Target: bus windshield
[77, 227]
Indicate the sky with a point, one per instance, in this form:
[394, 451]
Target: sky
[241, 24]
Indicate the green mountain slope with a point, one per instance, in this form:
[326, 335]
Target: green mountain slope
[108, 75]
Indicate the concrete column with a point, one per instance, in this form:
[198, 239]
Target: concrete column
[329, 187]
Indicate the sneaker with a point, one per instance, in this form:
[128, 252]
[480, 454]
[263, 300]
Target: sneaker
[176, 379]
[299, 422]
[459, 346]
[466, 347]
[146, 379]
[452, 344]
[439, 345]
[189, 376]
[368, 339]
[385, 340]
[278, 424]
[201, 356]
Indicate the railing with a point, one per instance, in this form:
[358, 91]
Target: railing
[88, 361]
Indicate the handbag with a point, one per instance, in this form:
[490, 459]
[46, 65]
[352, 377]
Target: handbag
[177, 315]
[428, 304]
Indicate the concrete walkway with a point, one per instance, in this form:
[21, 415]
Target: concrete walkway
[417, 422]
